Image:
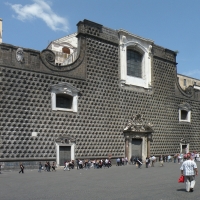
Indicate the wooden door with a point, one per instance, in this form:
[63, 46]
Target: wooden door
[137, 148]
[65, 154]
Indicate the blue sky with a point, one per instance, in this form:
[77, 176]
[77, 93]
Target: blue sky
[173, 24]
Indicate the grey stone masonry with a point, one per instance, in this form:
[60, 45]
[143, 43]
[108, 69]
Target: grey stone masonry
[104, 106]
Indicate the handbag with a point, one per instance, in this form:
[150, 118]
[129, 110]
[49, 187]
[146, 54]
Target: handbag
[181, 179]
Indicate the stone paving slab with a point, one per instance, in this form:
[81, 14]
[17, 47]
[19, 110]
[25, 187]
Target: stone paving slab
[124, 182]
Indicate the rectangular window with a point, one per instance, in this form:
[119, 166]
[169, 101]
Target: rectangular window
[184, 83]
[64, 101]
[184, 116]
[64, 97]
[134, 63]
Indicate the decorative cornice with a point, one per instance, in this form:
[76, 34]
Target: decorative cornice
[124, 32]
[137, 124]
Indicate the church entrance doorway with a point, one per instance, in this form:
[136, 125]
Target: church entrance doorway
[64, 154]
[136, 148]
[65, 149]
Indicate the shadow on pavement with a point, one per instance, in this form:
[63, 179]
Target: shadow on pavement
[183, 190]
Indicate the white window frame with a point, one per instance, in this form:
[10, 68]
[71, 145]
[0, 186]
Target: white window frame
[64, 88]
[143, 46]
[188, 116]
[186, 107]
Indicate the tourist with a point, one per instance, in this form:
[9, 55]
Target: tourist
[85, 164]
[48, 166]
[147, 162]
[175, 157]
[95, 164]
[109, 163]
[169, 158]
[153, 159]
[192, 156]
[106, 163]
[77, 164]
[139, 162]
[80, 164]
[197, 155]
[179, 158]
[118, 161]
[21, 168]
[89, 164]
[189, 170]
[40, 167]
[100, 164]
[132, 160]
[126, 160]
[161, 161]
[71, 164]
[53, 167]
[67, 166]
[166, 158]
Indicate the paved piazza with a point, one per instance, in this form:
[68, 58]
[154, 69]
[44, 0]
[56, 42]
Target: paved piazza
[124, 182]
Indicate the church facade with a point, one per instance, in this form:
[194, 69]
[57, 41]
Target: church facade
[120, 97]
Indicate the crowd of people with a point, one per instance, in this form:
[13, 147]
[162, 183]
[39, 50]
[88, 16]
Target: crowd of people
[150, 161]
[96, 164]
[103, 163]
[122, 161]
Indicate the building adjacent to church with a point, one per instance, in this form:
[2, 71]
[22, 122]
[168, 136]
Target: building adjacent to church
[98, 93]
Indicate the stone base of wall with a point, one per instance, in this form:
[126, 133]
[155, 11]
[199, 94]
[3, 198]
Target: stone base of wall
[27, 165]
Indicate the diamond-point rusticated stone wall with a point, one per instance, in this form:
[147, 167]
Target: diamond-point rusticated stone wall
[104, 105]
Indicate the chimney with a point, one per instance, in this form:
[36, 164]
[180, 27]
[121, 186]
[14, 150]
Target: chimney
[1, 30]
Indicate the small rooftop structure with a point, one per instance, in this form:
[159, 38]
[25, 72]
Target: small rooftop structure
[65, 49]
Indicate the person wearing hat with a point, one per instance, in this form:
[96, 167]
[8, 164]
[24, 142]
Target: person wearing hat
[189, 170]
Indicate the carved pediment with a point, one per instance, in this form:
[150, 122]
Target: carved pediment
[64, 87]
[65, 139]
[184, 141]
[185, 106]
[138, 124]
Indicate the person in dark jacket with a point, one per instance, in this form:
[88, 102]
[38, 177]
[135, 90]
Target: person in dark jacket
[21, 168]
[40, 167]
[139, 162]
[53, 167]
[147, 162]
[77, 163]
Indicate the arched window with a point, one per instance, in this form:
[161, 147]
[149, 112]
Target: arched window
[134, 63]
[135, 60]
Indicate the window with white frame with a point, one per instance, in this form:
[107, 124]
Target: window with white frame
[135, 60]
[134, 63]
[184, 112]
[64, 97]
[64, 101]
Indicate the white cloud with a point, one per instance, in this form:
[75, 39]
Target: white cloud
[40, 9]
